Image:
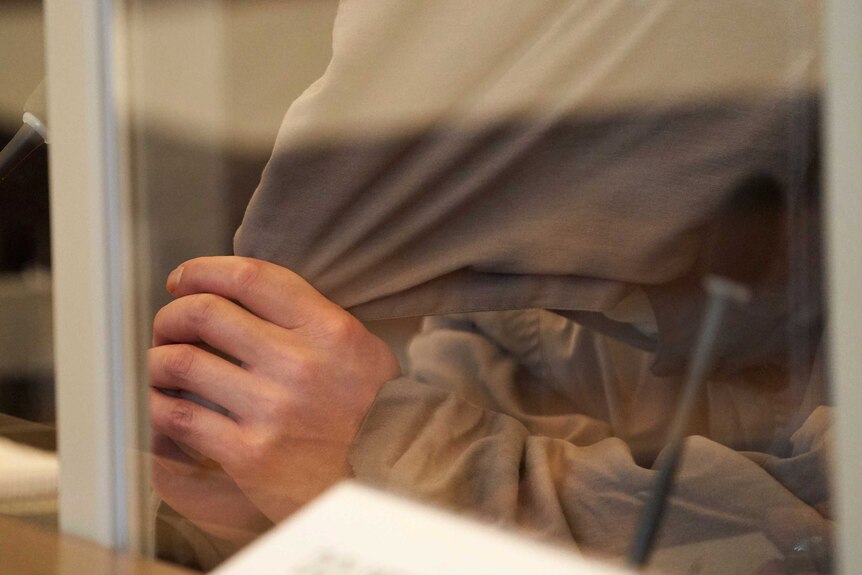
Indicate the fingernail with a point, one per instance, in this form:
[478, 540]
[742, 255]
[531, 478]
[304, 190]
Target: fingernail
[174, 279]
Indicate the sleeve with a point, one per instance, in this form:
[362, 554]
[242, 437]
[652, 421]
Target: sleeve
[572, 481]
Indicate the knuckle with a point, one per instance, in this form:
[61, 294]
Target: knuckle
[258, 449]
[246, 274]
[182, 418]
[292, 363]
[179, 360]
[202, 308]
[278, 408]
[160, 319]
[302, 368]
[153, 361]
[343, 328]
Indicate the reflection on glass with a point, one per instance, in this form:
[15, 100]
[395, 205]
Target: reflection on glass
[28, 465]
[543, 182]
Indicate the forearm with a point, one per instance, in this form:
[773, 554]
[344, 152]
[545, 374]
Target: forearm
[430, 444]
[424, 442]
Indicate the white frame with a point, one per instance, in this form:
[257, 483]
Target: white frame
[99, 482]
[98, 288]
[843, 152]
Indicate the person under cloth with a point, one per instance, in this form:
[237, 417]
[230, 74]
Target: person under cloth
[536, 177]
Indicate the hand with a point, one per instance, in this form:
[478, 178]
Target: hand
[308, 374]
[204, 494]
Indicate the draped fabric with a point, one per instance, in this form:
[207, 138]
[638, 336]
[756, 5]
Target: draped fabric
[547, 154]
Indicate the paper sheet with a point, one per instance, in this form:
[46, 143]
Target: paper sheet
[354, 530]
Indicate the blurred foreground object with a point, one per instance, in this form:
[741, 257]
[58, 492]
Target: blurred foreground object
[353, 529]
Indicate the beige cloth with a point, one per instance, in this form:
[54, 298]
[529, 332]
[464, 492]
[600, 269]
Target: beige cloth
[526, 419]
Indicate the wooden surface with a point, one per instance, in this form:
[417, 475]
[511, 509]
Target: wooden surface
[29, 550]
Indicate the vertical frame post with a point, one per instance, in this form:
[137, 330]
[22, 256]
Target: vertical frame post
[843, 142]
[91, 310]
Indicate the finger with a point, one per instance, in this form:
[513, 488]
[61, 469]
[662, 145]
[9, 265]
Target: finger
[189, 368]
[212, 434]
[208, 497]
[219, 323]
[169, 457]
[271, 292]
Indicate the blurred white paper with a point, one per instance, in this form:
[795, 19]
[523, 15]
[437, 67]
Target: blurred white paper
[354, 530]
[26, 473]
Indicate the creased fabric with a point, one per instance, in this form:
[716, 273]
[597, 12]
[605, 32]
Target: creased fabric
[526, 419]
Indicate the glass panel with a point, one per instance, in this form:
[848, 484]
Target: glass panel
[28, 466]
[539, 211]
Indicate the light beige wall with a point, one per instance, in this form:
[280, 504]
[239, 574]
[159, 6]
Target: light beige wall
[270, 51]
[21, 58]
[222, 70]
[274, 50]
[208, 84]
